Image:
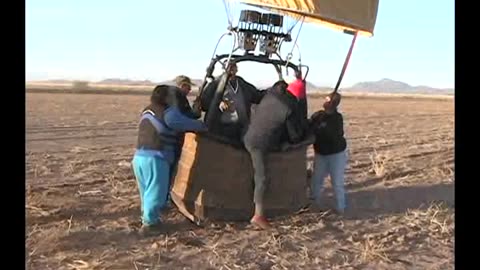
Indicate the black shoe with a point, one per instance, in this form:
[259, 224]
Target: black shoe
[340, 212]
[150, 230]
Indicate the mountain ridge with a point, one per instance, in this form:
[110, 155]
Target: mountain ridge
[384, 85]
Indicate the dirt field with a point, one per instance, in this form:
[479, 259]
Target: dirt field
[83, 205]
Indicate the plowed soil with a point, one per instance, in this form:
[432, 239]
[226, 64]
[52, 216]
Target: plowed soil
[83, 204]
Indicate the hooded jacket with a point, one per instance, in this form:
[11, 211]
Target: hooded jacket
[159, 130]
[277, 119]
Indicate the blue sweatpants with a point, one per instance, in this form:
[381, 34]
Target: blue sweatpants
[152, 174]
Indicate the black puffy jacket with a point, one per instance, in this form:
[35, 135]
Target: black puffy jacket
[328, 130]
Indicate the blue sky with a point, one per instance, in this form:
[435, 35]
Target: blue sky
[157, 40]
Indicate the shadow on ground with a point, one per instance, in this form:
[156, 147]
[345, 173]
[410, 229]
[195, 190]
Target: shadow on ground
[367, 204]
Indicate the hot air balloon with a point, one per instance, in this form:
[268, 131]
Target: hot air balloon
[215, 180]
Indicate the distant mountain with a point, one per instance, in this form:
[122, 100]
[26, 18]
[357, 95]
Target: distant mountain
[116, 81]
[312, 87]
[197, 82]
[381, 86]
[392, 86]
[58, 81]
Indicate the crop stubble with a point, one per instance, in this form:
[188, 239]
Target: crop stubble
[82, 202]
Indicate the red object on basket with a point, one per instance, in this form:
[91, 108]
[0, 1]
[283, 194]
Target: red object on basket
[297, 88]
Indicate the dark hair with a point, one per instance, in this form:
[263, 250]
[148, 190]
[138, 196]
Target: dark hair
[160, 95]
[280, 83]
[231, 64]
[335, 99]
[280, 86]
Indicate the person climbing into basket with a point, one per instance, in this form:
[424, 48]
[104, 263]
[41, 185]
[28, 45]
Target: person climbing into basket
[155, 152]
[277, 119]
[234, 109]
[330, 151]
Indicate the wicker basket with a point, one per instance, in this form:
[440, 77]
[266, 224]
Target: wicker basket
[214, 181]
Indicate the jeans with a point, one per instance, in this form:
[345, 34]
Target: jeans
[258, 163]
[333, 165]
[152, 174]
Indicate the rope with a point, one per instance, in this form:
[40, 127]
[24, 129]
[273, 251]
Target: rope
[299, 30]
[289, 30]
[290, 54]
[228, 13]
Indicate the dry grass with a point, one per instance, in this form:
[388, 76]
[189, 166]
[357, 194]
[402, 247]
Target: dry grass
[379, 163]
[83, 204]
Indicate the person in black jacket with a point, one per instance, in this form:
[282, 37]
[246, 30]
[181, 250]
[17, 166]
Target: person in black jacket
[275, 121]
[330, 151]
[232, 116]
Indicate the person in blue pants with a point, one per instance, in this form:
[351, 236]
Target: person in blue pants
[330, 151]
[158, 131]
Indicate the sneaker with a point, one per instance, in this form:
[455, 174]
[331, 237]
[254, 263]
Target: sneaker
[317, 208]
[167, 207]
[150, 230]
[340, 212]
[260, 222]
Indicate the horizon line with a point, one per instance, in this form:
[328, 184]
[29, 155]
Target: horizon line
[262, 84]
